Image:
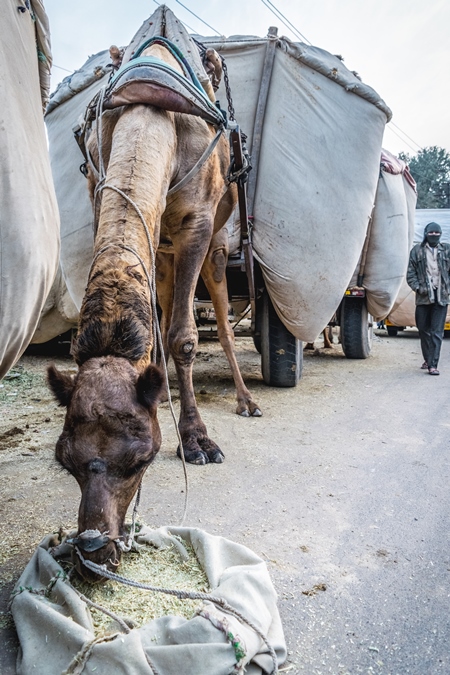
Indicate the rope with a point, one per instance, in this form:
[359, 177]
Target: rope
[163, 359]
[157, 338]
[182, 595]
[77, 664]
[100, 608]
[198, 165]
[101, 569]
[119, 542]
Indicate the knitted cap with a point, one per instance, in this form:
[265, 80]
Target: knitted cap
[432, 227]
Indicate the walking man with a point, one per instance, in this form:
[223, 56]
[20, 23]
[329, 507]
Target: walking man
[429, 277]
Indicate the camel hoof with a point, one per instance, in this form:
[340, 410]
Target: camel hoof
[194, 457]
[210, 453]
[248, 409]
[217, 457]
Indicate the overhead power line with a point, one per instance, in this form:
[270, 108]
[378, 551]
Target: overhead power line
[401, 138]
[404, 134]
[61, 68]
[284, 20]
[183, 22]
[199, 18]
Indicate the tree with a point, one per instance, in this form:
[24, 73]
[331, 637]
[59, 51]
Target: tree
[430, 169]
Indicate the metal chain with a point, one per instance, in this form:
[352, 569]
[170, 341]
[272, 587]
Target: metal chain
[202, 49]
[226, 80]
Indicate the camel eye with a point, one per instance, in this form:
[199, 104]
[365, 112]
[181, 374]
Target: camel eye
[139, 466]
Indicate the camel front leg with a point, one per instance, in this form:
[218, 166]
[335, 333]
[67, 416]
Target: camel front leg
[328, 337]
[164, 288]
[213, 274]
[190, 249]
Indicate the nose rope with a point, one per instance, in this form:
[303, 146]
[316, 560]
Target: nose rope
[121, 544]
[157, 337]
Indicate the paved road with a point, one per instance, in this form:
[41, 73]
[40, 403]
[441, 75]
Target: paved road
[342, 486]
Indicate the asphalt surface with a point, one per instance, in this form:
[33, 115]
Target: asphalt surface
[342, 487]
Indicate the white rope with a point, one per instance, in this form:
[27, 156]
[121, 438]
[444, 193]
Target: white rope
[121, 544]
[157, 337]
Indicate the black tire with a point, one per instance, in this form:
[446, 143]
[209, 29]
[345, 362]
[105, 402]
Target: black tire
[281, 352]
[356, 328]
[257, 343]
[392, 331]
[258, 317]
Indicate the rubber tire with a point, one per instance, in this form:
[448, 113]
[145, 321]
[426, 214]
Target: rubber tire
[391, 331]
[257, 335]
[356, 334]
[281, 352]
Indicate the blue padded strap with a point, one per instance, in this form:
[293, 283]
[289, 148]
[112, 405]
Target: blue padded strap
[175, 51]
[159, 63]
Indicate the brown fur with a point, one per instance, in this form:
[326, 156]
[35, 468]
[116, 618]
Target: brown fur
[111, 433]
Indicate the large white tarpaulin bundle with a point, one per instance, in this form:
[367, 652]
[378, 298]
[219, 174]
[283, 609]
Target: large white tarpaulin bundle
[384, 260]
[29, 224]
[317, 175]
[316, 179]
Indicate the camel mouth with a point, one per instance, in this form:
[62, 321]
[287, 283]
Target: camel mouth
[108, 556]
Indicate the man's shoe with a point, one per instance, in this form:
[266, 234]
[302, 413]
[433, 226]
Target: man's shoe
[433, 371]
[424, 366]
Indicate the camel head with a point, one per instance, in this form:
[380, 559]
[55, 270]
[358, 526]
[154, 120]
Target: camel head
[110, 436]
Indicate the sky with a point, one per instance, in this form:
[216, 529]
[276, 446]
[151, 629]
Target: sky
[398, 47]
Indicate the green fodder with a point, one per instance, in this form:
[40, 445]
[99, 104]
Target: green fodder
[161, 568]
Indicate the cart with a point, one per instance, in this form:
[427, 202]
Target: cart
[306, 182]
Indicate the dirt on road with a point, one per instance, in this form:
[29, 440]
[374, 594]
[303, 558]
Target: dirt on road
[316, 487]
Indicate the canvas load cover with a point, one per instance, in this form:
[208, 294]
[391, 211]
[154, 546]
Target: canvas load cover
[316, 179]
[29, 222]
[384, 259]
[52, 619]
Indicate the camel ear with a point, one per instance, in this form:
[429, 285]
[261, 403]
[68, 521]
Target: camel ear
[149, 386]
[61, 384]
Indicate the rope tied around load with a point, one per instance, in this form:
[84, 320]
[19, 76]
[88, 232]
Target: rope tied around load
[44, 592]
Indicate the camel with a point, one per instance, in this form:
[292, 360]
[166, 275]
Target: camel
[111, 433]
[327, 339]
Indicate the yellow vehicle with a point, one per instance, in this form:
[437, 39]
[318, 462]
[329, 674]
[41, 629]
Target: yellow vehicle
[393, 330]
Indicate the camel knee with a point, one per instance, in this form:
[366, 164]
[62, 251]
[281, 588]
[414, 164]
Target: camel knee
[183, 348]
[219, 261]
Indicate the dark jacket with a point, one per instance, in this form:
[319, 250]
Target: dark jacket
[417, 277]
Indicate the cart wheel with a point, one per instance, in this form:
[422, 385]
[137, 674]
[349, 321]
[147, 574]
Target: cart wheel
[257, 333]
[392, 331]
[281, 352]
[356, 328]
[257, 343]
